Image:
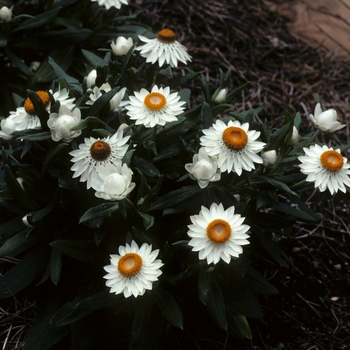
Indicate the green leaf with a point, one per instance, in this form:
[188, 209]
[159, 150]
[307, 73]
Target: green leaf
[32, 135]
[11, 227]
[235, 92]
[93, 59]
[92, 121]
[24, 273]
[80, 250]
[206, 116]
[169, 307]
[55, 266]
[259, 283]
[52, 154]
[278, 136]
[238, 326]
[294, 212]
[146, 167]
[278, 184]
[147, 220]
[94, 217]
[16, 61]
[175, 83]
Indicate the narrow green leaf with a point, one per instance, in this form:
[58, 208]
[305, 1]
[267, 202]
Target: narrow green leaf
[16, 61]
[259, 283]
[146, 167]
[238, 326]
[147, 220]
[206, 116]
[89, 121]
[95, 216]
[52, 154]
[80, 250]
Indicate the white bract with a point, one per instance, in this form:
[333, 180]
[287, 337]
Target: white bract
[133, 270]
[121, 46]
[217, 233]
[91, 78]
[62, 122]
[326, 120]
[204, 168]
[164, 49]
[326, 167]
[234, 145]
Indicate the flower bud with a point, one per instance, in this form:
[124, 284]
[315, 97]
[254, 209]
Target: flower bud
[91, 78]
[269, 157]
[295, 136]
[326, 120]
[221, 96]
[5, 14]
[121, 46]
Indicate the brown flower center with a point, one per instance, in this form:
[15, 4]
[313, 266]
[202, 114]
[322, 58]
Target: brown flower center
[332, 160]
[166, 36]
[234, 138]
[155, 101]
[219, 231]
[100, 151]
[28, 104]
[130, 264]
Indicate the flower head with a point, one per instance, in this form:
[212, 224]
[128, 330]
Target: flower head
[164, 48]
[326, 120]
[5, 14]
[269, 157]
[157, 107]
[217, 233]
[121, 46]
[133, 270]
[94, 154]
[8, 126]
[204, 168]
[326, 167]
[116, 182]
[220, 96]
[62, 122]
[111, 3]
[234, 145]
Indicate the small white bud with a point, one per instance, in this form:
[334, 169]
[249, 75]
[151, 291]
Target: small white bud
[91, 78]
[269, 157]
[295, 136]
[5, 14]
[121, 46]
[221, 96]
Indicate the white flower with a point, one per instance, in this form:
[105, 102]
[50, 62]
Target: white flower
[204, 168]
[91, 78]
[62, 122]
[63, 97]
[295, 136]
[114, 103]
[164, 48]
[221, 96]
[133, 271]
[116, 182]
[326, 167]
[5, 14]
[233, 144]
[269, 157]
[7, 128]
[121, 46]
[111, 3]
[94, 154]
[327, 120]
[157, 107]
[217, 233]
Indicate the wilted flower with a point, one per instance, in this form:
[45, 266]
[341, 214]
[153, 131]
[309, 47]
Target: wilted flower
[5, 14]
[204, 168]
[116, 182]
[221, 96]
[111, 3]
[326, 120]
[133, 270]
[164, 48]
[269, 157]
[121, 46]
[62, 122]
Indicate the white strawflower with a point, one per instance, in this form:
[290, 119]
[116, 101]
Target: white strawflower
[204, 168]
[157, 107]
[5, 14]
[62, 122]
[133, 270]
[326, 120]
[234, 145]
[221, 96]
[121, 46]
[217, 233]
[164, 48]
[111, 3]
[94, 154]
[7, 128]
[269, 157]
[326, 167]
[116, 182]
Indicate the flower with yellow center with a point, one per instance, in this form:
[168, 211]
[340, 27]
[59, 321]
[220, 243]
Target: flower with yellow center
[326, 167]
[157, 107]
[164, 48]
[133, 271]
[217, 233]
[94, 154]
[234, 145]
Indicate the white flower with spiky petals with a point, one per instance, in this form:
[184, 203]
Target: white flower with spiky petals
[94, 154]
[116, 182]
[111, 3]
[204, 168]
[234, 145]
[134, 270]
[326, 120]
[164, 48]
[62, 95]
[326, 167]
[62, 122]
[157, 107]
[217, 233]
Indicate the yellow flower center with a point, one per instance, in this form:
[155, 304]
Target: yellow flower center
[155, 101]
[332, 160]
[219, 231]
[234, 138]
[100, 151]
[28, 104]
[166, 36]
[130, 264]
